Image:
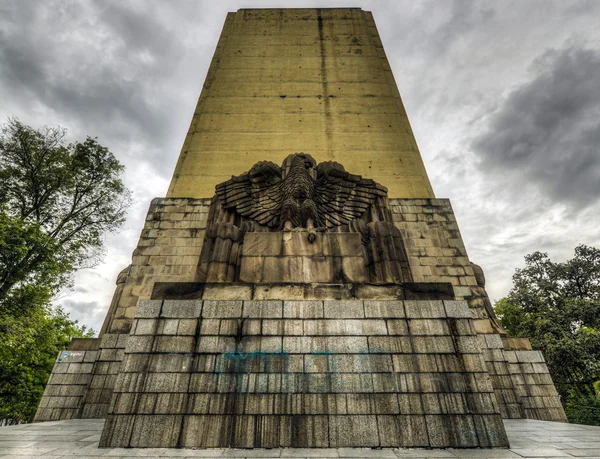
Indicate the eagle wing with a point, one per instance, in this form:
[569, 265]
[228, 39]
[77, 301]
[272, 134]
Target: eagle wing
[340, 196]
[256, 194]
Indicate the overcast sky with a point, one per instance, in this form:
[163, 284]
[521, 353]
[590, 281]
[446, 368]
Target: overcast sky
[503, 96]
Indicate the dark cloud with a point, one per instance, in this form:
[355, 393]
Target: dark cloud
[130, 72]
[547, 131]
[107, 67]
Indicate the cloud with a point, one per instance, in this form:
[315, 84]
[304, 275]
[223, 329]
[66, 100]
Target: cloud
[547, 131]
[89, 313]
[130, 72]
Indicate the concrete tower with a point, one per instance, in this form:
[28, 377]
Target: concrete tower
[320, 297]
[289, 80]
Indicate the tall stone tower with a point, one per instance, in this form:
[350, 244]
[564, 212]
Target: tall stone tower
[300, 285]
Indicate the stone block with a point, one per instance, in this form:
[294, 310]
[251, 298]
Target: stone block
[384, 309]
[490, 432]
[359, 363]
[493, 341]
[424, 309]
[296, 243]
[251, 269]
[145, 326]
[153, 431]
[318, 269]
[302, 309]
[353, 430]
[354, 269]
[426, 363]
[407, 430]
[404, 363]
[433, 344]
[222, 309]
[148, 308]
[311, 432]
[458, 309]
[328, 291]
[262, 244]
[397, 327]
[352, 383]
[293, 327]
[167, 382]
[319, 404]
[140, 344]
[278, 292]
[165, 363]
[467, 344]
[282, 269]
[530, 357]
[428, 327]
[187, 327]
[109, 340]
[378, 292]
[344, 309]
[227, 292]
[343, 245]
[389, 344]
[170, 403]
[271, 344]
[263, 309]
[203, 382]
[462, 326]
[174, 344]
[167, 327]
[324, 344]
[181, 309]
[207, 363]
[344, 327]
[216, 344]
[272, 327]
[372, 403]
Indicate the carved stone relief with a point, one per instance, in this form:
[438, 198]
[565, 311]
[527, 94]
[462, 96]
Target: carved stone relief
[303, 197]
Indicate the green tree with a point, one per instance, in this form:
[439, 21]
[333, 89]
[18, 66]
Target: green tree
[28, 348]
[557, 306]
[57, 200]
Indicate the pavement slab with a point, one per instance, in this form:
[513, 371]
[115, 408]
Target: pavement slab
[79, 438]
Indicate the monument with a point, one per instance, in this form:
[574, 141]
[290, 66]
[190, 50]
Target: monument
[300, 284]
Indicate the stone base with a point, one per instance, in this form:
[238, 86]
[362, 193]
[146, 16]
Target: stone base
[68, 381]
[250, 374]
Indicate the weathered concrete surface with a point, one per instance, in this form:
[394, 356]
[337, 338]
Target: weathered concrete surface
[79, 438]
[288, 80]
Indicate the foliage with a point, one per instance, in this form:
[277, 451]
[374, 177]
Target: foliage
[57, 200]
[584, 410]
[28, 348]
[557, 306]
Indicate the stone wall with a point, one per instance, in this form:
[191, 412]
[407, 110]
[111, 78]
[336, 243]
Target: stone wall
[289, 257]
[168, 250]
[534, 386]
[69, 381]
[303, 374]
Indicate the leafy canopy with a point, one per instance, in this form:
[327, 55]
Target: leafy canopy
[57, 200]
[557, 306]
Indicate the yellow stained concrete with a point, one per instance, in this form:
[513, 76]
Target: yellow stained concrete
[288, 80]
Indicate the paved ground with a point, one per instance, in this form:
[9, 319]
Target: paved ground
[79, 438]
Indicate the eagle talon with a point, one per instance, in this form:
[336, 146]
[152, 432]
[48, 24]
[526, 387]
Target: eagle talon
[312, 235]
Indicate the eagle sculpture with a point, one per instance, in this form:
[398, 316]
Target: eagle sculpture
[299, 196]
